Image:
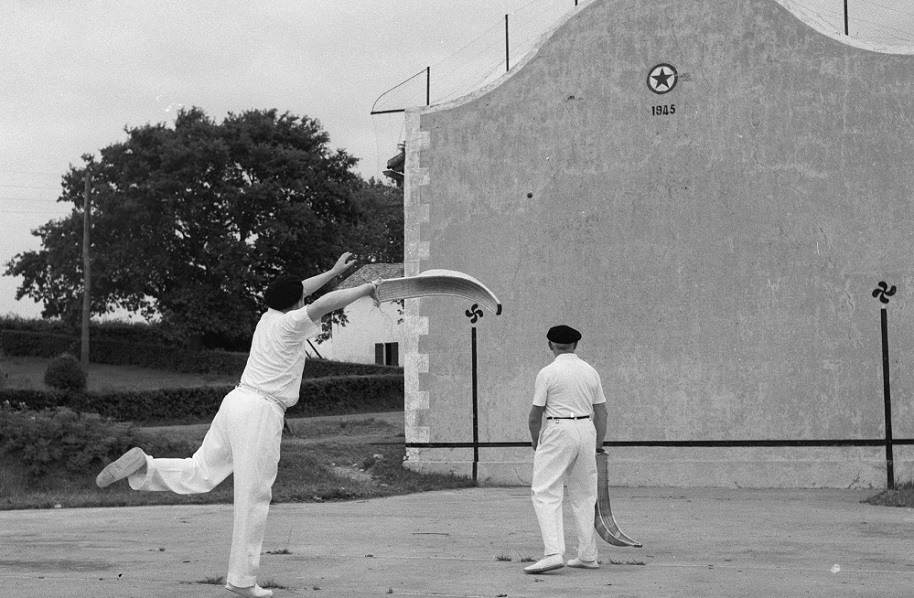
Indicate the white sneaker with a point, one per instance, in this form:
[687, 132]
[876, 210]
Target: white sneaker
[254, 591]
[128, 464]
[579, 564]
[549, 563]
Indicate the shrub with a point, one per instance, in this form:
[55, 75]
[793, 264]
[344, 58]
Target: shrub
[28, 398]
[59, 436]
[56, 448]
[66, 373]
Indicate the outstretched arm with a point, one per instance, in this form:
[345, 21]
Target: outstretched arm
[335, 300]
[316, 282]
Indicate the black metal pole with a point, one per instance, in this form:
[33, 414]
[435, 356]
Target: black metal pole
[428, 85]
[475, 406]
[889, 458]
[507, 54]
[845, 18]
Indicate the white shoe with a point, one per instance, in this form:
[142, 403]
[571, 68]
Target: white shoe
[579, 564]
[254, 591]
[549, 563]
[129, 463]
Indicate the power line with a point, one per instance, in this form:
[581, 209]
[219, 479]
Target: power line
[28, 203]
[29, 172]
[17, 212]
[29, 187]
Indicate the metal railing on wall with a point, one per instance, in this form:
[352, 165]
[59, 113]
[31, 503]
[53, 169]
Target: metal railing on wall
[886, 22]
[482, 60]
[493, 52]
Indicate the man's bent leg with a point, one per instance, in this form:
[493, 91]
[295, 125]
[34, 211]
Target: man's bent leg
[210, 464]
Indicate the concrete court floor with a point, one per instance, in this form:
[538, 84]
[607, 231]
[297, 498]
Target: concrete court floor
[702, 543]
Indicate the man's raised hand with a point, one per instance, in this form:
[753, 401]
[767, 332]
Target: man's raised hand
[344, 262]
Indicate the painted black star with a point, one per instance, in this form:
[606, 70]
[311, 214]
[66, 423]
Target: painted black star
[662, 78]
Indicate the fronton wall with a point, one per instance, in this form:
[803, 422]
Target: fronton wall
[718, 244]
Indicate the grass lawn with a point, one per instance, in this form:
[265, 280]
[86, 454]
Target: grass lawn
[28, 373]
[901, 496]
[322, 459]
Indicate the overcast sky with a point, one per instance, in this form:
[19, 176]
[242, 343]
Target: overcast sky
[76, 73]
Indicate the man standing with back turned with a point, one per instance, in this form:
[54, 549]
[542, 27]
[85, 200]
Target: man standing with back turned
[245, 434]
[569, 393]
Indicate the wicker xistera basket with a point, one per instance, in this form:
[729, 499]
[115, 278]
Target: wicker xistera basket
[439, 282]
[603, 515]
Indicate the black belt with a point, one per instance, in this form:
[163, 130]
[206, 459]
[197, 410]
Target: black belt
[581, 417]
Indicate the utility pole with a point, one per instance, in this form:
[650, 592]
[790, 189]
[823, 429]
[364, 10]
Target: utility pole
[87, 204]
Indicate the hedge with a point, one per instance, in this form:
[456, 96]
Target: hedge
[320, 396]
[37, 344]
[113, 352]
[325, 368]
[39, 440]
[34, 399]
[136, 332]
[22, 343]
[348, 394]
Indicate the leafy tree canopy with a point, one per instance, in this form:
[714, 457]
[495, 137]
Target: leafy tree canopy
[190, 223]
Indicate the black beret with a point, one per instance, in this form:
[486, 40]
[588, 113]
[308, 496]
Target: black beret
[283, 293]
[563, 335]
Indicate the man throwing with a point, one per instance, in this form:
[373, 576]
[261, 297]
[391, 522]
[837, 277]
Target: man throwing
[568, 392]
[244, 437]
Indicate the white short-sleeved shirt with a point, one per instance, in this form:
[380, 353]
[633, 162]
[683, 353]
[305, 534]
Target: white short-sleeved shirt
[568, 387]
[277, 359]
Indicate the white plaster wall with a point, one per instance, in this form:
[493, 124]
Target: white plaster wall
[367, 325]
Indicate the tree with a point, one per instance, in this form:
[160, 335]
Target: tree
[377, 235]
[190, 223]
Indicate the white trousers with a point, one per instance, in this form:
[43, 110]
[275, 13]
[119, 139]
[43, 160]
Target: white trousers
[244, 438]
[566, 456]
